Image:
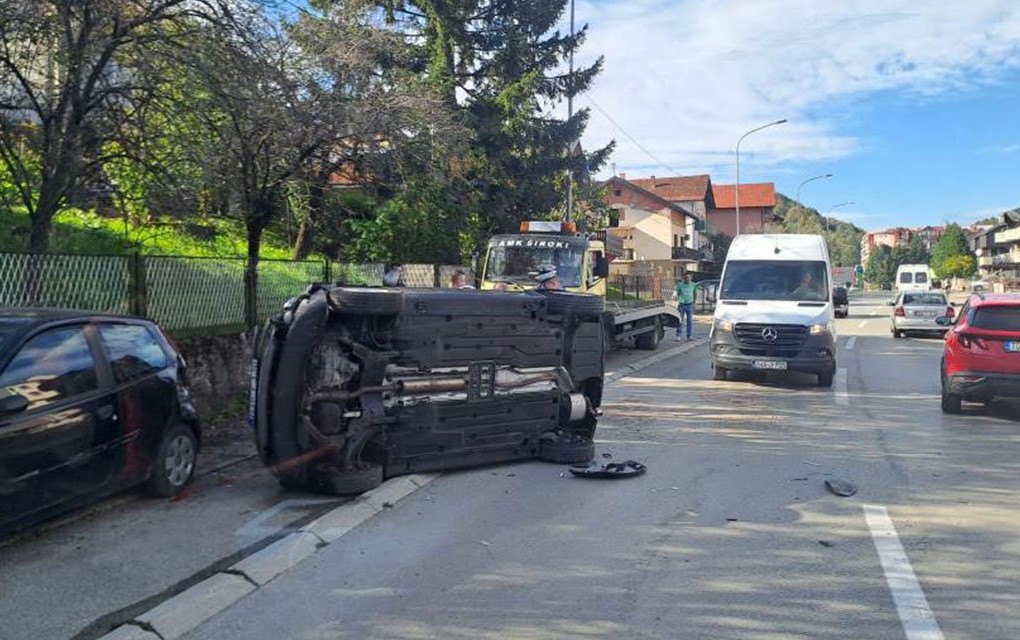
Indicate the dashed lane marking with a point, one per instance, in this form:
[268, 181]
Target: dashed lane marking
[912, 607]
[851, 343]
[839, 387]
[861, 323]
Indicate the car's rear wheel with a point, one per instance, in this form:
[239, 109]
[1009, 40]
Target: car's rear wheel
[175, 462]
[951, 403]
[897, 333]
[719, 373]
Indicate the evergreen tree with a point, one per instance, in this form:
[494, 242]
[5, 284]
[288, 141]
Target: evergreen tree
[953, 243]
[917, 252]
[500, 62]
[880, 267]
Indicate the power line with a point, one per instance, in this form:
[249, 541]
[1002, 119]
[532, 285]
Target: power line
[630, 137]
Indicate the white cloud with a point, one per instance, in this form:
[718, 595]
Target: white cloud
[1005, 148]
[687, 77]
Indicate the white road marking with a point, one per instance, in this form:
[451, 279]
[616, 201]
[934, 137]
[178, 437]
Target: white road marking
[258, 528]
[911, 605]
[851, 343]
[839, 387]
[861, 323]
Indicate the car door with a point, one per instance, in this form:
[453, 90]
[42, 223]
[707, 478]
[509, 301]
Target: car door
[143, 374]
[47, 450]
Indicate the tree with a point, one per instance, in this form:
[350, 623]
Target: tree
[917, 252]
[959, 266]
[67, 90]
[952, 243]
[500, 62]
[880, 267]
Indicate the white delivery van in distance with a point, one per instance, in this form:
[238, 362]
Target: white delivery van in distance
[774, 307]
[913, 277]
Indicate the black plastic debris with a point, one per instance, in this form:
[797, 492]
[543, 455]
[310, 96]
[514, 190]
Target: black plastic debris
[840, 487]
[609, 471]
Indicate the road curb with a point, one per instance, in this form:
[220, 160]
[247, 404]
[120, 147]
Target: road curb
[653, 359]
[185, 611]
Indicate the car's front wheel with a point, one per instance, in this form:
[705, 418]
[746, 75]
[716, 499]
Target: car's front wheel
[175, 462]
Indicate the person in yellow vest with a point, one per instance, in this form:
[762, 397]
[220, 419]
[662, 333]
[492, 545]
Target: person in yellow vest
[685, 291]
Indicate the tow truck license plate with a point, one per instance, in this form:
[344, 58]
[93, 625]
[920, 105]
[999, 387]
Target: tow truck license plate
[778, 365]
[1013, 346]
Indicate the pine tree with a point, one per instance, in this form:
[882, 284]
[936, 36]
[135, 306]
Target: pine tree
[500, 62]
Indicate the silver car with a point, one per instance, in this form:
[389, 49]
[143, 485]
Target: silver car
[918, 310]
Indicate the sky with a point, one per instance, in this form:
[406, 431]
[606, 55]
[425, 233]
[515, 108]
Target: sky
[912, 105]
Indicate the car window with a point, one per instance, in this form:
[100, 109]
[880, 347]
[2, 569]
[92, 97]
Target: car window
[133, 351]
[996, 318]
[775, 280]
[52, 366]
[925, 298]
[906, 277]
[920, 277]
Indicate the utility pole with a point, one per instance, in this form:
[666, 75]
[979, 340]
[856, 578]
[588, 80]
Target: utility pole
[570, 114]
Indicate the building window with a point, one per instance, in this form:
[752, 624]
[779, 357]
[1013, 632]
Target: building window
[618, 192]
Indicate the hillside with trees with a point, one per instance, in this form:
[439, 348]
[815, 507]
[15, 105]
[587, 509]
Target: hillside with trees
[844, 238]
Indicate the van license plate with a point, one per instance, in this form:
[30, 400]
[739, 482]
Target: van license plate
[1013, 347]
[777, 365]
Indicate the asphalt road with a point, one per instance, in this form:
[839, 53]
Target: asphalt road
[731, 534]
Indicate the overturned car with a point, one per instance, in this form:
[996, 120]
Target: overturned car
[351, 385]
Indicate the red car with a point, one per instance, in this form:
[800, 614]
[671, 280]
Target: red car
[981, 354]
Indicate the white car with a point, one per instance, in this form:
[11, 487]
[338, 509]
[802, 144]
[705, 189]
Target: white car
[917, 311]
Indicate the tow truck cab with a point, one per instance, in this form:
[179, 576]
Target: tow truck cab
[512, 259]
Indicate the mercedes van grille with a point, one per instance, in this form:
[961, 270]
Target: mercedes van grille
[759, 339]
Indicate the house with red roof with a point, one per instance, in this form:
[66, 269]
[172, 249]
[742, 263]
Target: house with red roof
[757, 208]
[652, 225]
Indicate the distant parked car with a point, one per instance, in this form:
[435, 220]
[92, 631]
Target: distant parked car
[841, 301]
[981, 353]
[917, 312]
[89, 405]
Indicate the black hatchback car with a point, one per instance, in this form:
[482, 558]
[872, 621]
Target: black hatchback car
[89, 405]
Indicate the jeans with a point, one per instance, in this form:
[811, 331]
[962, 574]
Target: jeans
[686, 310]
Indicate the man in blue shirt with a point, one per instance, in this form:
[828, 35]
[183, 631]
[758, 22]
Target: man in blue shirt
[685, 291]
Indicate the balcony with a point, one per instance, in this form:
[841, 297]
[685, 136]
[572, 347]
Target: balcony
[686, 253]
[1008, 236]
[1000, 260]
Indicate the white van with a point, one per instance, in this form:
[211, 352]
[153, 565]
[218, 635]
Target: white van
[774, 309]
[913, 277]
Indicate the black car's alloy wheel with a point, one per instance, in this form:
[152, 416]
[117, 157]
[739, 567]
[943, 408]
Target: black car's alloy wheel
[175, 461]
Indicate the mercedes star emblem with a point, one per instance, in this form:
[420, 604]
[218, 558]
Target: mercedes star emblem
[769, 334]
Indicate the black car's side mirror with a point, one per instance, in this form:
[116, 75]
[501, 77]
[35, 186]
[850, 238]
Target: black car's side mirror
[12, 403]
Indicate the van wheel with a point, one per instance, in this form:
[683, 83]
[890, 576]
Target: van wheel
[825, 379]
[175, 462]
[566, 452]
[897, 334]
[719, 373]
[350, 482]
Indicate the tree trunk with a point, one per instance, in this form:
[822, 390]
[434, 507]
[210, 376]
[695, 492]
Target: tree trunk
[254, 226]
[316, 196]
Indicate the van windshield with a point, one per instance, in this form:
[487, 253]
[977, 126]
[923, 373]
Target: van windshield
[801, 281]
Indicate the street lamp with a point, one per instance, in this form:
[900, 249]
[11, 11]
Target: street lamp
[799, 205]
[736, 194]
[825, 218]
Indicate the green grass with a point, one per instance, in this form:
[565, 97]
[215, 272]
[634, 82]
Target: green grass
[204, 290]
[83, 232]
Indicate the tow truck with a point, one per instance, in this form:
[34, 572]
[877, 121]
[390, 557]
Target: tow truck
[582, 264]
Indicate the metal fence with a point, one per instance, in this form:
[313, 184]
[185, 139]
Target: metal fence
[182, 292]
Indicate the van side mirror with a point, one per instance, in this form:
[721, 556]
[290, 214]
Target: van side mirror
[12, 403]
[601, 267]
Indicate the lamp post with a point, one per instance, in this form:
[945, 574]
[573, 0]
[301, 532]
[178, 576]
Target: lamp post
[736, 194]
[570, 114]
[825, 218]
[799, 205]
